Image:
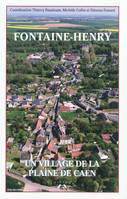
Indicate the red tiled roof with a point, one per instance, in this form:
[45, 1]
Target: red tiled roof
[106, 136]
[74, 146]
[43, 114]
[36, 119]
[9, 97]
[39, 124]
[55, 140]
[76, 154]
[40, 138]
[67, 54]
[64, 108]
[48, 121]
[42, 158]
[72, 92]
[52, 147]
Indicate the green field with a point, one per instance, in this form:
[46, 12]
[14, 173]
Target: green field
[68, 116]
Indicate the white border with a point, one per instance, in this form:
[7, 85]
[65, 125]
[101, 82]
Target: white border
[123, 97]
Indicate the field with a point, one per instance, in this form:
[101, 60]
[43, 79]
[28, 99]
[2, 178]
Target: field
[111, 25]
[44, 26]
[68, 116]
[110, 30]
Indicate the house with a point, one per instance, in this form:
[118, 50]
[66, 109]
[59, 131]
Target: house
[113, 93]
[62, 129]
[92, 96]
[34, 57]
[55, 140]
[32, 84]
[69, 57]
[8, 88]
[12, 104]
[42, 132]
[21, 98]
[44, 114]
[72, 106]
[102, 156]
[36, 102]
[39, 125]
[42, 158]
[74, 147]
[64, 108]
[25, 104]
[52, 147]
[48, 130]
[10, 141]
[27, 147]
[48, 122]
[15, 98]
[41, 96]
[82, 98]
[9, 97]
[25, 156]
[51, 113]
[110, 100]
[106, 137]
[28, 98]
[72, 92]
[76, 154]
[41, 140]
[9, 165]
[53, 100]
[50, 55]
[65, 139]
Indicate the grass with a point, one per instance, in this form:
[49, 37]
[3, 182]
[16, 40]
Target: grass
[14, 156]
[21, 55]
[13, 184]
[44, 190]
[15, 115]
[68, 116]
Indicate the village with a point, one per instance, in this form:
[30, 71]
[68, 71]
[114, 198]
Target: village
[50, 113]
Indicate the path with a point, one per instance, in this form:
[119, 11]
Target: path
[34, 187]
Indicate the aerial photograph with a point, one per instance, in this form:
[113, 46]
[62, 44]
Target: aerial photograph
[62, 99]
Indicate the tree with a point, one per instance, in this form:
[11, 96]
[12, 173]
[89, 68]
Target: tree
[86, 184]
[113, 105]
[22, 138]
[62, 149]
[92, 54]
[86, 56]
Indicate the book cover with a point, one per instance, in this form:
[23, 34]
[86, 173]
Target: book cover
[62, 112]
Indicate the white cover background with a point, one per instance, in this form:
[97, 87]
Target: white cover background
[122, 92]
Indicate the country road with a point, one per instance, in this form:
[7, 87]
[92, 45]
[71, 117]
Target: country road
[34, 187]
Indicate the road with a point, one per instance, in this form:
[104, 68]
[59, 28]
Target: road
[34, 187]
